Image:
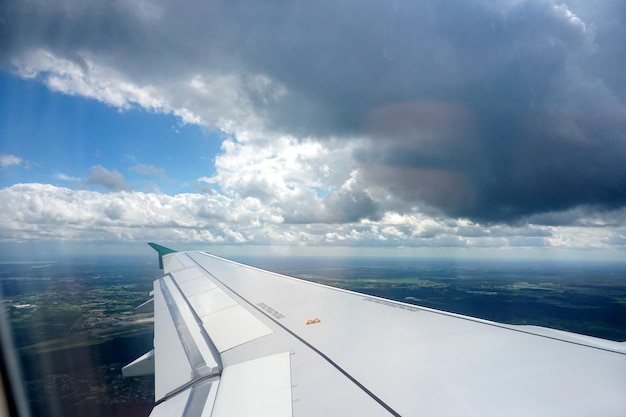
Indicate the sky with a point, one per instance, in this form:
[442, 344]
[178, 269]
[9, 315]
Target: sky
[434, 127]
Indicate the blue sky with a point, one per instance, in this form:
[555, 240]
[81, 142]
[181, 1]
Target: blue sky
[465, 129]
[63, 136]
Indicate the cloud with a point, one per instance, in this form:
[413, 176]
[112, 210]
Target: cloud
[89, 79]
[8, 160]
[306, 181]
[40, 212]
[148, 170]
[64, 177]
[492, 111]
[110, 180]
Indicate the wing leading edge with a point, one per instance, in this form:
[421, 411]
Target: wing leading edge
[233, 340]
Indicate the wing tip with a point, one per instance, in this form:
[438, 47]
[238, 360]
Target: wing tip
[162, 251]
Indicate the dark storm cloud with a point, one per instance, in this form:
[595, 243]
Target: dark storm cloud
[493, 110]
[348, 206]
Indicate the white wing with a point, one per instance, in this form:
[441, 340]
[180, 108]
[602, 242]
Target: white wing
[232, 340]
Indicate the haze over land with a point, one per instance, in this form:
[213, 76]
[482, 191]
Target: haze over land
[483, 128]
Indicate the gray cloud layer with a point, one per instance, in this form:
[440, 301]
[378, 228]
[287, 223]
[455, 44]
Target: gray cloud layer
[491, 110]
[109, 180]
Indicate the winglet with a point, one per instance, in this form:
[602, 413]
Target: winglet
[162, 250]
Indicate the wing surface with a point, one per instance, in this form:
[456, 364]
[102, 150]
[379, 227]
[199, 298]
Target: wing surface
[233, 340]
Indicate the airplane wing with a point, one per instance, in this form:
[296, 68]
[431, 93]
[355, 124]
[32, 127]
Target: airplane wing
[233, 340]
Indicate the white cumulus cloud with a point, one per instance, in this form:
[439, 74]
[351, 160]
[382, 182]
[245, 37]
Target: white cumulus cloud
[35, 212]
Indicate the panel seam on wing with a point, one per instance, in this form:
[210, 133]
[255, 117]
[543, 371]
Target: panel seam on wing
[367, 391]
